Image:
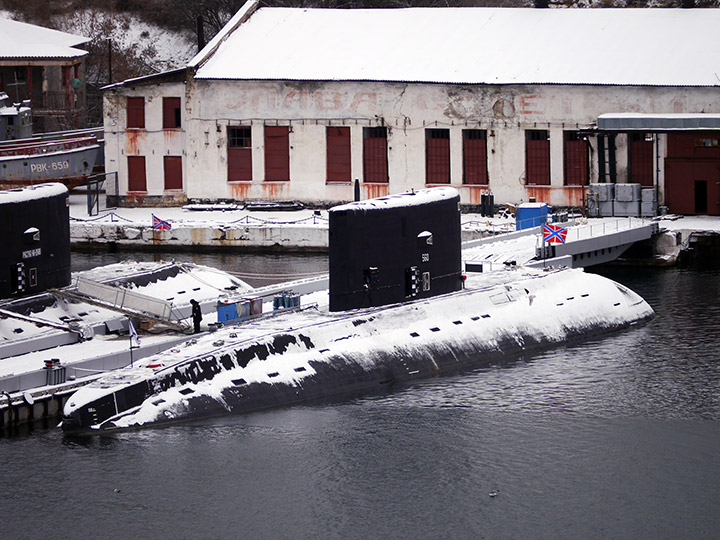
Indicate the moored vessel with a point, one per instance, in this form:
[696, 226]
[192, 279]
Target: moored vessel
[398, 308]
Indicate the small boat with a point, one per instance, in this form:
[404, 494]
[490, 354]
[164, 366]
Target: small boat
[69, 160]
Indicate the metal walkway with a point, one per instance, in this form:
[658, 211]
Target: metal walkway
[587, 243]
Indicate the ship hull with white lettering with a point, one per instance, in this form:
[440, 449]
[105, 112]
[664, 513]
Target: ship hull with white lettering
[26, 162]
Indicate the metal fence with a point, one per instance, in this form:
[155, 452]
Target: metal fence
[102, 191]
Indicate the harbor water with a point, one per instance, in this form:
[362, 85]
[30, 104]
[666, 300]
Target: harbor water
[611, 438]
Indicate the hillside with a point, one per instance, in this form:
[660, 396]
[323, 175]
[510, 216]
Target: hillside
[131, 38]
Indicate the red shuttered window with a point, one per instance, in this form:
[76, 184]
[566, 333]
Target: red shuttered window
[576, 159]
[239, 154]
[537, 157]
[437, 156]
[277, 153]
[375, 162]
[171, 113]
[475, 156]
[136, 113]
[338, 154]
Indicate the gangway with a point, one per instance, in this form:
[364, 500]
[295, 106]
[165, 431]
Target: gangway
[587, 243]
[127, 302]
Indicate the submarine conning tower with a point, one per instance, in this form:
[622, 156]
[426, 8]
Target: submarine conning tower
[35, 222]
[395, 249]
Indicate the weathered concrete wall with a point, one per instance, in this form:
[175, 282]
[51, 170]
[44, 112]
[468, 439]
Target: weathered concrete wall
[153, 142]
[191, 237]
[506, 112]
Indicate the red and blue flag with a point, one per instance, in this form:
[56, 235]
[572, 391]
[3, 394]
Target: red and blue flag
[160, 225]
[554, 234]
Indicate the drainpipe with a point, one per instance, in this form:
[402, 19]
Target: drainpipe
[200, 33]
[657, 171]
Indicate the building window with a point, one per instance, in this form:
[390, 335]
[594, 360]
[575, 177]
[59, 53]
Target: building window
[239, 154]
[277, 153]
[136, 173]
[338, 154]
[171, 113]
[136, 113]
[537, 157]
[375, 162]
[437, 156]
[641, 159]
[576, 159]
[475, 156]
[173, 172]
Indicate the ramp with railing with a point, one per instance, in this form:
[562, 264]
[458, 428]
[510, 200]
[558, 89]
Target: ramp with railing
[587, 243]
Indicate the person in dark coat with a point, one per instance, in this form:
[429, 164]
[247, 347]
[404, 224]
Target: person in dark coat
[196, 315]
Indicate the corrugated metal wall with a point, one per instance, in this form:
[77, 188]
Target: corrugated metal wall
[692, 173]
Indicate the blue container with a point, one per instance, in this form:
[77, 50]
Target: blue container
[226, 312]
[531, 215]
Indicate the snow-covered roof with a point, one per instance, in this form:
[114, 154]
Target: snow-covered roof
[658, 47]
[21, 40]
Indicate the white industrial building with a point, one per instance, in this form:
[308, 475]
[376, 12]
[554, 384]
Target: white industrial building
[523, 103]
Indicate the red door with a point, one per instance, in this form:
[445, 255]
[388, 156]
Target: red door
[136, 173]
[692, 186]
[641, 160]
[173, 172]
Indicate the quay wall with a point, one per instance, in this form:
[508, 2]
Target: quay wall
[209, 237]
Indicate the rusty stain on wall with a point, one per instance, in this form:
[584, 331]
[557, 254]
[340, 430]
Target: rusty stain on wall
[239, 190]
[474, 193]
[275, 190]
[133, 142]
[373, 191]
[556, 196]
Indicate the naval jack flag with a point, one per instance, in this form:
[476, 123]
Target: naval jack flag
[554, 234]
[159, 224]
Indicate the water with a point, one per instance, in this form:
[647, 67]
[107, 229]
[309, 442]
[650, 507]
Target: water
[612, 438]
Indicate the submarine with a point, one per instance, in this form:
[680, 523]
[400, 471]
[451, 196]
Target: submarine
[398, 308]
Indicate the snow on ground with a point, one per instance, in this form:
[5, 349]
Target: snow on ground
[99, 346]
[166, 49]
[690, 223]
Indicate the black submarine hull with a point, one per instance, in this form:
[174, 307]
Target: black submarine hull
[362, 352]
